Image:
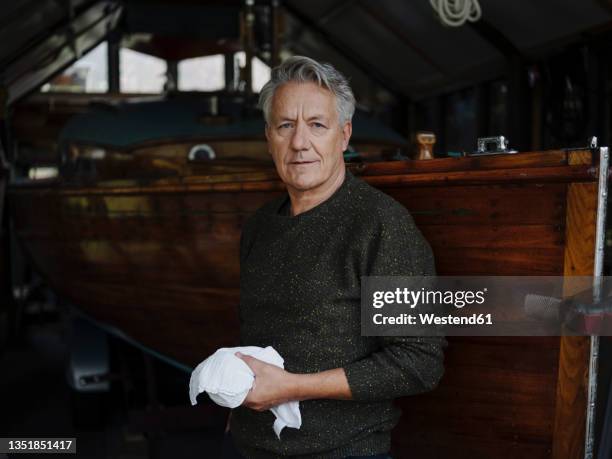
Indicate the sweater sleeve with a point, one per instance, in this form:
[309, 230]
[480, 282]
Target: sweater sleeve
[402, 365]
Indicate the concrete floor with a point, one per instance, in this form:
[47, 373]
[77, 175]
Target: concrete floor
[35, 401]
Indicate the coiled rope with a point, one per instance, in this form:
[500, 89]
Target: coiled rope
[454, 13]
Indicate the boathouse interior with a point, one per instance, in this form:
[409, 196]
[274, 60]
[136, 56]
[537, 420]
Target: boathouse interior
[132, 151]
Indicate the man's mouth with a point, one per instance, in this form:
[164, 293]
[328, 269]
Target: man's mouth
[300, 163]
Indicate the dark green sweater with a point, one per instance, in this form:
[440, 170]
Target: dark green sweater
[300, 293]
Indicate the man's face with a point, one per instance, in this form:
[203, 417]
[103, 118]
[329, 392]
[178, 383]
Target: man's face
[304, 136]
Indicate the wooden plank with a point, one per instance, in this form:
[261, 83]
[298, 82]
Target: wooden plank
[571, 406]
[580, 229]
[212, 265]
[539, 204]
[498, 262]
[494, 236]
[535, 159]
[579, 157]
[439, 444]
[231, 182]
[184, 312]
[520, 175]
[497, 394]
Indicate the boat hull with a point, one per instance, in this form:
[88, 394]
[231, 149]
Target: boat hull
[160, 263]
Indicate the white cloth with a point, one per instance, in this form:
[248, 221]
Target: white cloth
[227, 379]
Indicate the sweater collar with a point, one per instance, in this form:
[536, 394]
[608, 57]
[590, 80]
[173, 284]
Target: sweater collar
[319, 208]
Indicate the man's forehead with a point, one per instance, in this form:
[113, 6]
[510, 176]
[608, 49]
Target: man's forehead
[306, 114]
[307, 99]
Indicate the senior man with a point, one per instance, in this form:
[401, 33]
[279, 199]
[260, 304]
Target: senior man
[302, 258]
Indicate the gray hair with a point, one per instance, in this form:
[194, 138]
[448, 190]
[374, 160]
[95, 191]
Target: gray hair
[303, 69]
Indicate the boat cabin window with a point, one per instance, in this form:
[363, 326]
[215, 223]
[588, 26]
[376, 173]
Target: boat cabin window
[89, 74]
[261, 70]
[202, 73]
[42, 173]
[141, 73]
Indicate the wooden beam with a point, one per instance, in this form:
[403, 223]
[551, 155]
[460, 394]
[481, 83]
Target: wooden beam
[230, 72]
[378, 15]
[494, 37]
[367, 68]
[172, 76]
[249, 45]
[334, 11]
[57, 51]
[114, 77]
[276, 28]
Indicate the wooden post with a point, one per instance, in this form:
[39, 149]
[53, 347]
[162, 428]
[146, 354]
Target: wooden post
[519, 131]
[572, 385]
[114, 81]
[171, 76]
[249, 21]
[275, 22]
[230, 74]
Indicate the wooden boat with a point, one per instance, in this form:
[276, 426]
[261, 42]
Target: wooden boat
[154, 256]
[141, 227]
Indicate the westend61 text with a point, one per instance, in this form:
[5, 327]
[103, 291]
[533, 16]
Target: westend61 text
[432, 319]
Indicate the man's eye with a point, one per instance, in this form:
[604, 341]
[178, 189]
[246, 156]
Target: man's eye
[318, 125]
[285, 126]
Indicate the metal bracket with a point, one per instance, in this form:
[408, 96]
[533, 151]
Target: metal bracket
[600, 233]
[98, 378]
[592, 145]
[88, 363]
[201, 152]
[500, 142]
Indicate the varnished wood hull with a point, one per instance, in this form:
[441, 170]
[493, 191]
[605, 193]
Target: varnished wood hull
[160, 263]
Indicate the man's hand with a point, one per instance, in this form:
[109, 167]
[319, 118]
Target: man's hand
[272, 385]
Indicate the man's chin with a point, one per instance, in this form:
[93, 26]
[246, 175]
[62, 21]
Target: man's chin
[305, 183]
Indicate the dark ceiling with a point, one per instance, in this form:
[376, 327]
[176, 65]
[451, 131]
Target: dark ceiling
[387, 47]
[403, 46]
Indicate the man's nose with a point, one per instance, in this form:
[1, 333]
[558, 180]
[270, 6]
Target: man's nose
[299, 139]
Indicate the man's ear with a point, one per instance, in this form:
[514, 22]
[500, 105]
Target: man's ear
[267, 133]
[347, 131]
